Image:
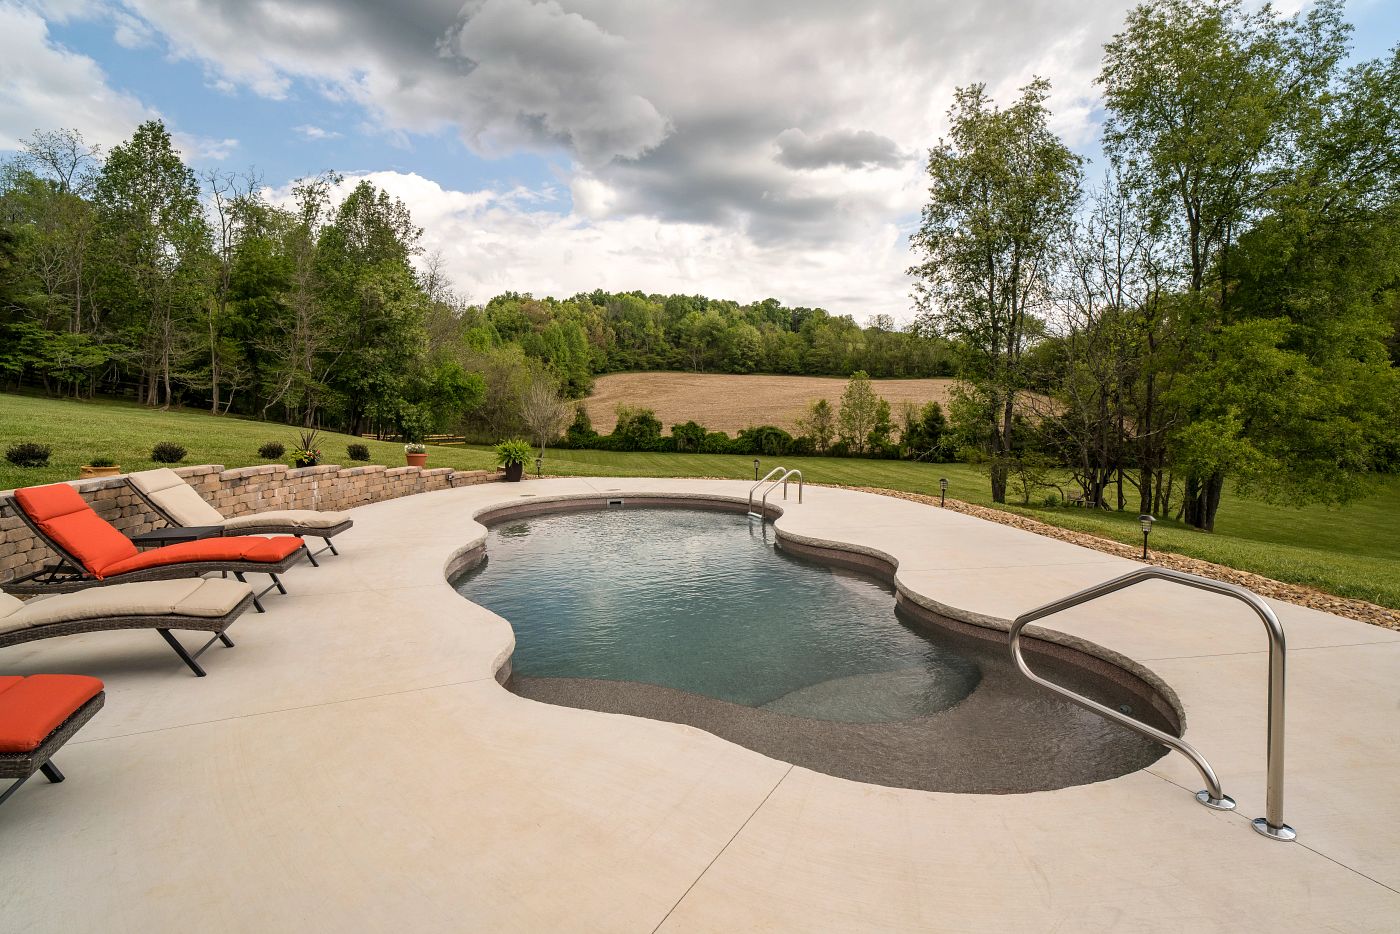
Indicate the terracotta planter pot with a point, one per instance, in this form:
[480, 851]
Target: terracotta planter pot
[417, 460]
[513, 472]
[86, 472]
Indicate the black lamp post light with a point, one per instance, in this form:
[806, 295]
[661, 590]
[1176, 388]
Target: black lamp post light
[942, 490]
[539, 467]
[1146, 522]
[755, 468]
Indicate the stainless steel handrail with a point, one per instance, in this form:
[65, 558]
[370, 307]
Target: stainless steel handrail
[1271, 825]
[766, 477]
[786, 474]
[763, 510]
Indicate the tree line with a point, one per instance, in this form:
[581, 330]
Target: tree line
[1221, 305]
[126, 272]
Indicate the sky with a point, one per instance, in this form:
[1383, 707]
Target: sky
[739, 149]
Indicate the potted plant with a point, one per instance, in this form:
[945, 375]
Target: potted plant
[416, 454]
[99, 467]
[512, 455]
[306, 454]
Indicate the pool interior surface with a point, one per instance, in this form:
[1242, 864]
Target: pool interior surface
[695, 616]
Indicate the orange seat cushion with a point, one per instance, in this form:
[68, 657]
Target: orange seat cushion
[66, 518]
[32, 708]
[236, 548]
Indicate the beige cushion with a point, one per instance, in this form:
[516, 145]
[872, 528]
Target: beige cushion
[9, 604]
[190, 597]
[170, 492]
[300, 519]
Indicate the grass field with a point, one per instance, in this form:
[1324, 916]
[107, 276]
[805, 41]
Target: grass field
[1353, 551]
[729, 403]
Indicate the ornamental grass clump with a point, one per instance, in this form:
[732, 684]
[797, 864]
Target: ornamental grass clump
[168, 452]
[272, 451]
[357, 452]
[29, 454]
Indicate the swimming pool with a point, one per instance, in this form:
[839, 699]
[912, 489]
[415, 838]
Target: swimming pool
[701, 617]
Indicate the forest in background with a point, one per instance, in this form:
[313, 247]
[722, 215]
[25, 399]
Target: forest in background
[1221, 306]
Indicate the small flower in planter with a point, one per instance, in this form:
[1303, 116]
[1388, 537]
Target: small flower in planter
[306, 454]
[415, 454]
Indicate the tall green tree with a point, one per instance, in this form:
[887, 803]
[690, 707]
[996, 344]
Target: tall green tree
[1001, 186]
[154, 253]
[363, 263]
[1272, 171]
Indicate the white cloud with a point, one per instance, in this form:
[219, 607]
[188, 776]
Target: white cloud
[498, 241]
[777, 146]
[197, 148]
[44, 85]
[131, 32]
[313, 132]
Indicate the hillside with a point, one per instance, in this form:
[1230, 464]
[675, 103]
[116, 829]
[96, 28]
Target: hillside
[724, 402]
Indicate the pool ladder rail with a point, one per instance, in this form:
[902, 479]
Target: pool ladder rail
[783, 475]
[1271, 825]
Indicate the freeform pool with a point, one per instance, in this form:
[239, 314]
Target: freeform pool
[697, 617]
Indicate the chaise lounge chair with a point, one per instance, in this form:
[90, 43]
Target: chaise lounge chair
[180, 505]
[38, 714]
[92, 552]
[192, 603]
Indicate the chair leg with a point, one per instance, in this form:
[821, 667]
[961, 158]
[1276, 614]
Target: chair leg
[311, 556]
[185, 657]
[51, 772]
[331, 545]
[223, 637]
[257, 597]
[276, 580]
[5, 795]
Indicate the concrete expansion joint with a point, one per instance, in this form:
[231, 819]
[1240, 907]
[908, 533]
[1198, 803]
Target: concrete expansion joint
[722, 850]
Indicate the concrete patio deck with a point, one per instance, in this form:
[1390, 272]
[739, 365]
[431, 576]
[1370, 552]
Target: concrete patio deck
[354, 765]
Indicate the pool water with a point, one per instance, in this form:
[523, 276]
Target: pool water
[703, 602]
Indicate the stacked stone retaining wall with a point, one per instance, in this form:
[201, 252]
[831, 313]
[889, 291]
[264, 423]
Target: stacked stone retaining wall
[234, 493]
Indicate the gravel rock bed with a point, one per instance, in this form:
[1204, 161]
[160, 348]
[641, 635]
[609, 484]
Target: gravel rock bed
[1264, 586]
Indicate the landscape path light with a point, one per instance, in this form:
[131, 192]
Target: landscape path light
[755, 468]
[1146, 522]
[942, 490]
[539, 467]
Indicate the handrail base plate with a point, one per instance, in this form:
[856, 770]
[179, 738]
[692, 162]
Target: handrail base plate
[1222, 803]
[1282, 833]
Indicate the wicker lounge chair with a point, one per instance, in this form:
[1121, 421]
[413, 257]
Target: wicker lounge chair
[92, 552]
[180, 505]
[194, 603]
[38, 714]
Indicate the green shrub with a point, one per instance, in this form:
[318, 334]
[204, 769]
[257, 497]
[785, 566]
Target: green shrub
[688, 437]
[29, 454]
[167, 452]
[1051, 501]
[764, 439]
[272, 451]
[357, 452]
[580, 433]
[717, 442]
[637, 429]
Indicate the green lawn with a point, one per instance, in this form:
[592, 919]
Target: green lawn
[1353, 551]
